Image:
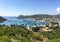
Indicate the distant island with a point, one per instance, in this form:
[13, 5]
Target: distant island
[2, 19]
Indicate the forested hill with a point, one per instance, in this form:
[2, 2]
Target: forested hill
[57, 16]
[40, 16]
[2, 19]
[36, 16]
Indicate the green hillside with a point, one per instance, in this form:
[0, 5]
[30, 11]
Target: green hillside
[37, 16]
[22, 34]
[40, 16]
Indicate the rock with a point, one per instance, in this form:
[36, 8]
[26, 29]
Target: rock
[2, 19]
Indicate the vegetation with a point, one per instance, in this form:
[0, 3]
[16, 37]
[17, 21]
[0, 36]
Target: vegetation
[38, 16]
[57, 16]
[2, 19]
[22, 34]
[15, 33]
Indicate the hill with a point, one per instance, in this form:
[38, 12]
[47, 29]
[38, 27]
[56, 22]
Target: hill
[36, 16]
[2, 19]
[41, 16]
[57, 16]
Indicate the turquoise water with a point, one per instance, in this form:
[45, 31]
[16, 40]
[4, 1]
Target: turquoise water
[24, 22]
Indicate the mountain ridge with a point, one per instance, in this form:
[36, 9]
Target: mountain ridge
[40, 16]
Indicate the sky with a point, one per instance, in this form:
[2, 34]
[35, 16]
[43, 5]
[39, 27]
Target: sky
[29, 7]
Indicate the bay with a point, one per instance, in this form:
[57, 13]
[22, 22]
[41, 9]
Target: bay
[25, 22]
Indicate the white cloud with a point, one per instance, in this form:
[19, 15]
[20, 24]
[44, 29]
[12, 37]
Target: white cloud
[58, 9]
